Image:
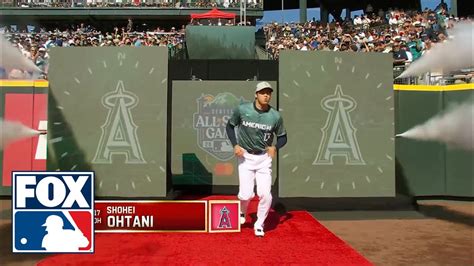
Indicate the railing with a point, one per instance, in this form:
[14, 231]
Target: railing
[397, 71]
[431, 78]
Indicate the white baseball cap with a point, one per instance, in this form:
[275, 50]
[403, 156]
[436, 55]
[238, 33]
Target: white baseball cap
[263, 85]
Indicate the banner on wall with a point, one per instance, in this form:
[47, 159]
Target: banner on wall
[200, 150]
[108, 114]
[339, 114]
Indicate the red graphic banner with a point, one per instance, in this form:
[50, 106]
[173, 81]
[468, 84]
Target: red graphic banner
[150, 216]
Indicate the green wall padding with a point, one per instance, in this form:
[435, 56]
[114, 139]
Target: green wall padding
[107, 113]
[422, 163]
[431, 168]
[339, 114]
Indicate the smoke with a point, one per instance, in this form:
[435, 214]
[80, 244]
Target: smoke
[454, 127]
[11, 58]
[454, 54]
[13, 131]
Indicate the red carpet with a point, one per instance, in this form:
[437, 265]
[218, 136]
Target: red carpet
[295, 238]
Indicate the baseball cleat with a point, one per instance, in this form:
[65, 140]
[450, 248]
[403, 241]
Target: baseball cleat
[259, 232]
[242, 218]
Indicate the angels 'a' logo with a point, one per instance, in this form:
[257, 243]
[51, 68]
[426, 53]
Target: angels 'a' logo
[119, 132]
[224, 221]
[339, 135]
[210, 122]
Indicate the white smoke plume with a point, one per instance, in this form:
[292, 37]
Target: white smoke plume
[454, 54]
[454, 127]
[13, 131]
[11, 58]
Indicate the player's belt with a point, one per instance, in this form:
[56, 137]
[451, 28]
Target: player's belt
[256, 152]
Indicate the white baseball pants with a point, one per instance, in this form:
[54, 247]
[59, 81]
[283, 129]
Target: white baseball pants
[256, 169]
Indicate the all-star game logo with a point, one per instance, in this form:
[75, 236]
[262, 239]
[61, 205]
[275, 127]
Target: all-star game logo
[210, 122]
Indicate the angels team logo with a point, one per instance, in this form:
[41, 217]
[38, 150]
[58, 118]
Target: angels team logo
[119, 132]
[339, 135]
[224, 221]
[224, 216]
[210, 122]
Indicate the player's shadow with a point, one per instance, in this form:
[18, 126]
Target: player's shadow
[276, 217]
[8, 257]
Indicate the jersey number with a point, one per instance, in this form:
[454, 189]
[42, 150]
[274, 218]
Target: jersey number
[266, 136]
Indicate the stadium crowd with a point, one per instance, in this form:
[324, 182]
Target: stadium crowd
[405, 34]
[35, 46]
[133, 3]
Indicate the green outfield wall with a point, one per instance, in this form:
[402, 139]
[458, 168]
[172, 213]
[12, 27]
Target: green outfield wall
[107, 112]
[144, 129]
[425, 167]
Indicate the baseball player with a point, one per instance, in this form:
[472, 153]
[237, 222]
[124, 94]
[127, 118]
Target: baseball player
[257, 123]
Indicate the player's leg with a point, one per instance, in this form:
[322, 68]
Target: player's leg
[246, 186]
[263, 178]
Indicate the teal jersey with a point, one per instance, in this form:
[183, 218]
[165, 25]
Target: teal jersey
[256, 128]
[412, 46]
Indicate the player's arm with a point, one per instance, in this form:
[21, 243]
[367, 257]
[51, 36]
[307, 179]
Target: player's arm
[280, 132]
[231, 124]
[281, 141]
[231, 134]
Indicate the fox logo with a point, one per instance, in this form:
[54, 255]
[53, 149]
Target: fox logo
[53, 212]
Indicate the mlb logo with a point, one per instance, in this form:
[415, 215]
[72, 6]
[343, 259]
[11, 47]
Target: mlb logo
[224, 216]
[52, 212]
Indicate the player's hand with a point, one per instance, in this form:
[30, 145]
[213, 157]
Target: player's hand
[238, 151]
[271, 151]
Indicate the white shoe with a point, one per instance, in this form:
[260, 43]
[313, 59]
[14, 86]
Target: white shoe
[242, 218]
[259, 232]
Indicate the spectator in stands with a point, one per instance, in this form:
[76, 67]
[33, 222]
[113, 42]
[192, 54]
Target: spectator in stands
[357, 22]
[369, 10]
[415, 46]
[41, 60]
[129, 25]
[381, 14]
[3, 73]
[17, 74]
[399, 55]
